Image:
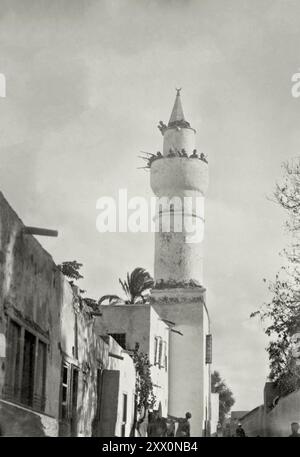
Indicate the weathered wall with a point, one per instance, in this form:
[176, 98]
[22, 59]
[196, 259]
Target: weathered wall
[278, 421]
[34, 292]
[30, 291]
[253, 422]
[176, 257]
[234, 420]
[81, 346]
[19, 421]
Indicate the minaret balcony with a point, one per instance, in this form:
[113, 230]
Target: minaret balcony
[179, 176]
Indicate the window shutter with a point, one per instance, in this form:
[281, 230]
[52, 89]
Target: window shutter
[208, 355]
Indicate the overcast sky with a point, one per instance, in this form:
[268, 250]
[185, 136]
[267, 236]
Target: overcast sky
[87, 82]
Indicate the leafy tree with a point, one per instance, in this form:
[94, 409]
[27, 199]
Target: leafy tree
[137, 287]
[144, 398]
[281, 315]
[144, 385]
[70, 269]
[139, 282]
[226, 400]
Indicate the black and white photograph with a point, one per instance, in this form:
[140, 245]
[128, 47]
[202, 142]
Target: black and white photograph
[149, 221]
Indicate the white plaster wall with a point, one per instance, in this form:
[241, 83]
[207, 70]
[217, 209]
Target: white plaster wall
[67, 321]
[188, 381]
[126, 386]
[178, 251]
[159, 374]
[176, 260]
[141, 324]
[179, 138]
[134, 320]
[178, 175]
[214, 412]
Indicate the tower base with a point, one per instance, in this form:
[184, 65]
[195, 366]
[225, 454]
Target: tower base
[189, 374]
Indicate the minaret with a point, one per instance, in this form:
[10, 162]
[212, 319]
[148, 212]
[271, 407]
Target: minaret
[180, 179]
[180, 182]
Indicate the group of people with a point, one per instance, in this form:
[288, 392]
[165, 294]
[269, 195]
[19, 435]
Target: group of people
[240, 432]
[161, 426]
[174, 153]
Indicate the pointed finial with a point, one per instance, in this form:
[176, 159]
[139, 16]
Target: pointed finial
[177, 117]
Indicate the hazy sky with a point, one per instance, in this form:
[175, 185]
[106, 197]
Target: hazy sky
[87, 82]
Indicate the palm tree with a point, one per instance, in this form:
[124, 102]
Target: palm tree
[137, 288]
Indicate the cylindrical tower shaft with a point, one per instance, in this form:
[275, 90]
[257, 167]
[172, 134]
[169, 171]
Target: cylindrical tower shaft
[179, 179]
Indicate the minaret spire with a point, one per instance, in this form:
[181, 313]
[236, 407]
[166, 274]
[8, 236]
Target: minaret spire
[177, 116]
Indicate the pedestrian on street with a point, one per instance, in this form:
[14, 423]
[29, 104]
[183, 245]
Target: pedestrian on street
[170, 427]
[295, 430]
[183, 428]
[240, 432]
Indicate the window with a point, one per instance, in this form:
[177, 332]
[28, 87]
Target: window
[120, 339]
[124, 418]
[74, 396]
[68, 395]
[208, 351]
[165, 356]
[13, 368]
[41, 365]
[159, 351]
[99, 391]
[64, 392]
[156, 340]
[99, 386]
[26, 368]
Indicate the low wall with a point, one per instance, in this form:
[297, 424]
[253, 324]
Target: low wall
[276, 422]
[21, 421]
[253, 422]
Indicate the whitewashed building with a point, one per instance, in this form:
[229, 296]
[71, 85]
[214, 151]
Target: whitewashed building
[131, 324]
